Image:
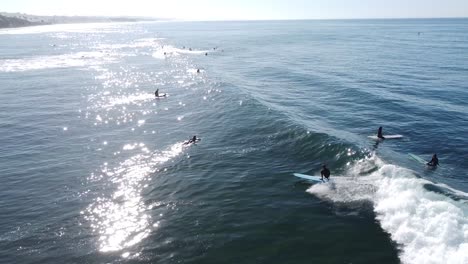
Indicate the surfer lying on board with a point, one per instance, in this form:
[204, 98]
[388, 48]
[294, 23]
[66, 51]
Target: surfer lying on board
[325, 172]
[379, 133]
[434, 161]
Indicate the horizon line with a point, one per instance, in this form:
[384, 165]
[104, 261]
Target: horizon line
[304, 19]
[238, 20]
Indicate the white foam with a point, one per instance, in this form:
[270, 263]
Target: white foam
[126, 100]
[78, 59]
[75, 28]
[194, 71]
[187, 51]
[168, 50]
[429, 226]
[345, 189]
[139, 43]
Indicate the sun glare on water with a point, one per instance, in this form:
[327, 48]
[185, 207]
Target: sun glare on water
[121, 219]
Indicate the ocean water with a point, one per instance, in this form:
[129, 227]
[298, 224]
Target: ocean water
[93, 168]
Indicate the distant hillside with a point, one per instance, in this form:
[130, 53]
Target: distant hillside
[8, 20]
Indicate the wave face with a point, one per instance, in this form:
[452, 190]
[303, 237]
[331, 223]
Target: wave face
[429, 227]
[95, 169]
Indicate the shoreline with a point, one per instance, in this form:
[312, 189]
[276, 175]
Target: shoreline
[18, 20]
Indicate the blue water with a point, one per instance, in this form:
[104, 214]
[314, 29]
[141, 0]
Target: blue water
[93, 168]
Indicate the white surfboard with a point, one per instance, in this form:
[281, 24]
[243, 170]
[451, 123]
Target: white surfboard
[417, 158]
[161, 95]
[420, 160]
[386, 137]
[310, 177]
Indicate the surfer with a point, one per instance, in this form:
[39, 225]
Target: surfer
[198, 70]
[325, 172]
[434, 161]
[379, 133]
[156, 93]
[192, 140]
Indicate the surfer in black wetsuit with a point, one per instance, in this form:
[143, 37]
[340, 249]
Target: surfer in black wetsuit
[379, 133]
[192, 140]
[325, 172]
[434, 161]
[156, 93]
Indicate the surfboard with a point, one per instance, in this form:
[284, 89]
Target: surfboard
[161, 95]
[417, 158]
[420, 160]
[386, 137]
[309, 177]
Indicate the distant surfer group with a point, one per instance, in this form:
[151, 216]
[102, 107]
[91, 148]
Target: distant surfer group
[434, 162]
[325, 172]
[157, 95]
[193, 139]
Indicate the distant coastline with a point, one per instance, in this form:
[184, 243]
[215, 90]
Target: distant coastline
[14, 20]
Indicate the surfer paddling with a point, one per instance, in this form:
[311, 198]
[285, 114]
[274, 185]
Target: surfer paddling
[194, 139]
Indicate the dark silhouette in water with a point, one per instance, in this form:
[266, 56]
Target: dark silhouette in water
[434, 161]
[194, 139]
[325, 172]
[379, 133]
[157, 95]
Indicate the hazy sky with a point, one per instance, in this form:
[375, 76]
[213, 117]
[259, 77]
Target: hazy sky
[243, 9]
